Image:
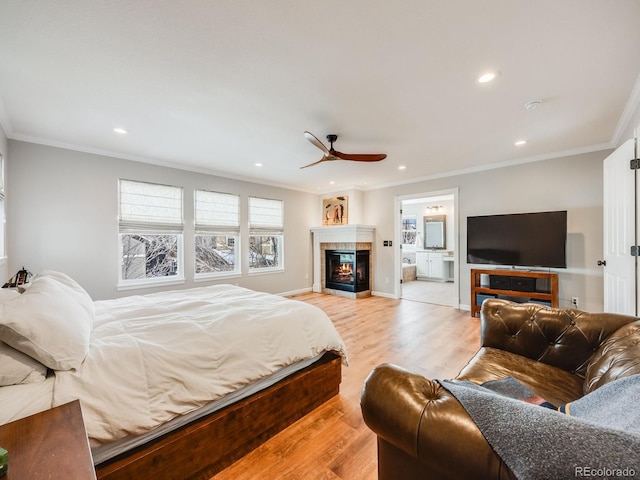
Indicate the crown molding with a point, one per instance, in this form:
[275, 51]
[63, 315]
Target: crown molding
[508, 163]
[151, 161]
[627, 114]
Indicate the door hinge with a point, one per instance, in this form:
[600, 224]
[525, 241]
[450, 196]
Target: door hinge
[635, 250]
[634, 164]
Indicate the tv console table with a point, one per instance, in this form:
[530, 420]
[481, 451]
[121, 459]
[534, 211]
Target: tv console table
[549, 296]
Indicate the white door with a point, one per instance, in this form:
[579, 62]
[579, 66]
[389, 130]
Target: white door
[619, 211]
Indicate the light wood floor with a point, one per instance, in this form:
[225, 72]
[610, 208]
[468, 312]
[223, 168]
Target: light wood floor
[332, 442]
[440, 293]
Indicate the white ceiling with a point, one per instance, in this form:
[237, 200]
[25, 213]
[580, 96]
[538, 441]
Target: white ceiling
[216, 86]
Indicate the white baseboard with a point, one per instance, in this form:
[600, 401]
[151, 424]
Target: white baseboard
[295, 292]
[383, 294]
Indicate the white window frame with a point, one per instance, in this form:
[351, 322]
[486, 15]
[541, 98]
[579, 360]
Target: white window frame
[409, 246]
[266, 219]
[165, 218]
[217, 214]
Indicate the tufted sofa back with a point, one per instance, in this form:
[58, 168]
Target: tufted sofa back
[617, 357]
[563, 338]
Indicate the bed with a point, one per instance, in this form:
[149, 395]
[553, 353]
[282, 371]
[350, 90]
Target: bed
[175, 384]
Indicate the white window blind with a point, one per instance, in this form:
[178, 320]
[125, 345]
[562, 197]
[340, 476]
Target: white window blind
[265, 214]
[217, 212]
[266, 224]
[150, 207]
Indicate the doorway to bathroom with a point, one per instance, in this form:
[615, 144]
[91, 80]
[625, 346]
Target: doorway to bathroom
[428, 255]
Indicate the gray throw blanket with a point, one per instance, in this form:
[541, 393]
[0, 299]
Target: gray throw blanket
[599, 439]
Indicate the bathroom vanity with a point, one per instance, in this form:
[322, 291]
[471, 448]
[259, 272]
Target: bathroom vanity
[434, 262]
[434, 265]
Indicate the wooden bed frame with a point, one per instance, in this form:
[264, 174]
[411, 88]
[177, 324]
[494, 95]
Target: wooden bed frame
[204, 447]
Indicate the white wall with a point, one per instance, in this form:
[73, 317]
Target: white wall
[4, 151]
[630, 120]
[62, 214]
[571, 183]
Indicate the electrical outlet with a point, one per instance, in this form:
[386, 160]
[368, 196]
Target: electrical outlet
[574, 302]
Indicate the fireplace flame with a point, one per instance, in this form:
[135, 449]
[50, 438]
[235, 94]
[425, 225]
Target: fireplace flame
[345, 268]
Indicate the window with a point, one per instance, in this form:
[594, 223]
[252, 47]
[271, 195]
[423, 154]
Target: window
[266, 225]
[409, 230]
[150, 233]
[217, 239]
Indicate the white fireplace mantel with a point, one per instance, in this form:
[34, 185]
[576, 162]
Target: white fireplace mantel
[336, 234]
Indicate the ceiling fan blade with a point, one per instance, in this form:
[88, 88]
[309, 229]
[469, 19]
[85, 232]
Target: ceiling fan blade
[323, 159]
[313, 139]
[364, 157]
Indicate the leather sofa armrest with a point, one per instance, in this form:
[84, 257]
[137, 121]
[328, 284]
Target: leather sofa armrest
[562, 337]
[421, 418]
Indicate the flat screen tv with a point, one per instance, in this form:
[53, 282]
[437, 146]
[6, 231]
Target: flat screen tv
[522, 239]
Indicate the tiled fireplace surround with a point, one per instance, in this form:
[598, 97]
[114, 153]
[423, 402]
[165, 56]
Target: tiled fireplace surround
[340, 237]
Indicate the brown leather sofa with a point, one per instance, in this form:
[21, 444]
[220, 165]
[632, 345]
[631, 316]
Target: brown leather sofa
[559, 354]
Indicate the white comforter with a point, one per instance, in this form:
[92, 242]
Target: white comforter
[157, 356]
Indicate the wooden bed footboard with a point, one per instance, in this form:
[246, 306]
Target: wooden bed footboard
[204, 447]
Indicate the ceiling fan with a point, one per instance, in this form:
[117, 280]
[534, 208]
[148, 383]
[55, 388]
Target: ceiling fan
[330, 154]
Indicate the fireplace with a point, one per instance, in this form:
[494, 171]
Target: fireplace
[343, 238]
[347, 270]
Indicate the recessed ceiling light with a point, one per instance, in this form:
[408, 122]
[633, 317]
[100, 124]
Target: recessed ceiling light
[520, 142]
[332, 182]
[486, 77]
[121, 131]
[402, 167]
[257, 164]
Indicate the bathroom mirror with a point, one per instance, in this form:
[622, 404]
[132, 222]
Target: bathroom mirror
[434, 232]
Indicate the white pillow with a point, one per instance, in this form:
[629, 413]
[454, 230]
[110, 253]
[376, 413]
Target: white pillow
[16, 367]
[75, 290]
[6, 295]
[51, 322]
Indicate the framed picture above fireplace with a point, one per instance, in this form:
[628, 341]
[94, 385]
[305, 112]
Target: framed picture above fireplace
[335, 211]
